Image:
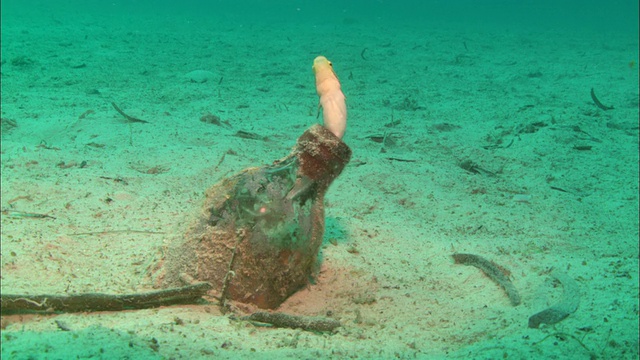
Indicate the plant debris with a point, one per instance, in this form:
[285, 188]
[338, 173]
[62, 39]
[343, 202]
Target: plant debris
[130, 119]
[250, 135]
[49, 304]
[281, 320]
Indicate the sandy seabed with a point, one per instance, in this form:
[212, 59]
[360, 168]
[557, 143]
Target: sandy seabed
[484, 142]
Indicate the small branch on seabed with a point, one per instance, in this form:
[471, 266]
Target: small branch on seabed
[51, 304]
[130, 119]
[281, 320]
[22, 215]
[125, 231]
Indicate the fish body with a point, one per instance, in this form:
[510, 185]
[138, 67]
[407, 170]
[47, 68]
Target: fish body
[332, 100]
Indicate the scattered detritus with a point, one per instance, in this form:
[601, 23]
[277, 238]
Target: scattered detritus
[228, 152]
[250, 135]
[124, 231]
[8, 124]
[130, 119]
[28, 215]
[445, 127]
[22, 61]
[308, 323]
[149, 170]
[473, 168]
[494, 271]
[43, 145]
[85, 114]
[214, 120]
[96, 145]
[409, 104]
[562, 336]
[392, 123]
[18, 198]
[568, 303]
[224, 293]
[115, 179]
[71, 164]
[598, 103]
[375, 138]
[530, 128]
[362, 54]
[401, 159]
[497, 143]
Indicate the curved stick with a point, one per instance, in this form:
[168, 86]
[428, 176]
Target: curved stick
[598, 103]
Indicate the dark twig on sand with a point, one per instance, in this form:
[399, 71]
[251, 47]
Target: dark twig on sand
[51, 304]
[281, 320]
[129, 118]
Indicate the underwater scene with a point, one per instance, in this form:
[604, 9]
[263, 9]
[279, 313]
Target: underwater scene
[296, 179]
